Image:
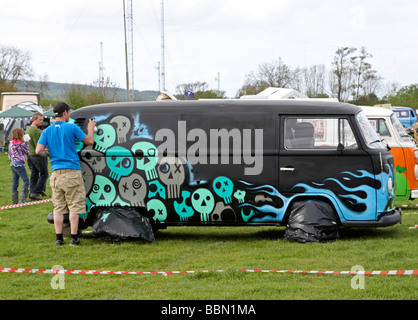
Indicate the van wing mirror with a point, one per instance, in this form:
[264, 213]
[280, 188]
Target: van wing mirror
[387, 144]
[340, 147]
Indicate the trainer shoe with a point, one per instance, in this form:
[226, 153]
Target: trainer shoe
[75, 242]
[59, 242]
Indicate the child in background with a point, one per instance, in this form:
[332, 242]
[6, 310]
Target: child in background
[18, 150]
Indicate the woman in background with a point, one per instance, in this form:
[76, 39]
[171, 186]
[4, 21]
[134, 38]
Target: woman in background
[18, 150]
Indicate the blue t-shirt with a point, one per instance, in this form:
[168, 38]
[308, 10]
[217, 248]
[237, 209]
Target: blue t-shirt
[60, 137]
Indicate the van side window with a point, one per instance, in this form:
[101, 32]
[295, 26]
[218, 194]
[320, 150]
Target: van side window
[318, 133]
[402, 114]
[380, 126]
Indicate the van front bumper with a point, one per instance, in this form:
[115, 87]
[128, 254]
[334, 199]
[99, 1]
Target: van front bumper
[388, 219]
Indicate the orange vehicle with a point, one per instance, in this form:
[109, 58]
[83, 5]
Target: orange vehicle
[403, 148]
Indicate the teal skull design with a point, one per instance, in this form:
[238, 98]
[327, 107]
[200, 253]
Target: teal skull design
[146, 155]
[120, 162]
[105, 137]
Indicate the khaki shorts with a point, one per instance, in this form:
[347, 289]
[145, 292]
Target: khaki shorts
[68, 193]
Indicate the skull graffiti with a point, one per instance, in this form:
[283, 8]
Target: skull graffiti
[104, 137]
[146, 155]
[133, 189]
[123, 124]
[240, 195]
[184, 209]
[120, 162]
[223, 187]
[99, 163]
[93, 158]
[203, 202]
[171, 173]
[155, 187]
[157, 210]
[223, 213]
[103, 192]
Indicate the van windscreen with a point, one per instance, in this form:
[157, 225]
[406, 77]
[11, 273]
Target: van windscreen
[400, 130]
[369, 134]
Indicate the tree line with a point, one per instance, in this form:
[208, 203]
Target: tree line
[15, 65]
[351, 78]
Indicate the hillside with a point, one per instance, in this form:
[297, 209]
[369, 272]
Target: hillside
[56, 90]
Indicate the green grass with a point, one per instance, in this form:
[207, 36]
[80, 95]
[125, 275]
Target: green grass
[28, 241]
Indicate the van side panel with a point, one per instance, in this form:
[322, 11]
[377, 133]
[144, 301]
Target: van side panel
[401, 170]
[183, 170]
[411, 163]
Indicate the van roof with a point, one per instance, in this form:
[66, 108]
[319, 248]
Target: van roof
[377, 111]
[401, 108]
[227, 105]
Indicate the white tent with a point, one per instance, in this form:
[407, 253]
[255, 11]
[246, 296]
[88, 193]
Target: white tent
[9, 123]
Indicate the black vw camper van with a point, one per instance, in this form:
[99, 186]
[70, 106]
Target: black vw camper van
[236, 162]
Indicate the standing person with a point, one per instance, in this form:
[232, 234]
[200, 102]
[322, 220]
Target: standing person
[18, 150]
[68, 193]
[38, 165]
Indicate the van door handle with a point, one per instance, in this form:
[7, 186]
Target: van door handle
[287, 169]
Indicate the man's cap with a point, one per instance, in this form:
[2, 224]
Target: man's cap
[60, 107]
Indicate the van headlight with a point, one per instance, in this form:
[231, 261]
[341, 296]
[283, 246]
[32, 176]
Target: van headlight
[390, 185]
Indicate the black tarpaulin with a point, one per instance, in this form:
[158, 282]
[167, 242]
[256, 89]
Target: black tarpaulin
[311, 221]
[120, 223]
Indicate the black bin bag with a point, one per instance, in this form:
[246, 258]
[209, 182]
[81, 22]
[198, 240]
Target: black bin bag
[121, 223]
[311, 221]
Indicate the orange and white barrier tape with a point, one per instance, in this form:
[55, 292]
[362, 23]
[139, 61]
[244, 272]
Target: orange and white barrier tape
[24, 204]
[53, 271]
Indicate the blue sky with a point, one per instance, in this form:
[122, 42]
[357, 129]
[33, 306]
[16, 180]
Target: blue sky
[207, 37]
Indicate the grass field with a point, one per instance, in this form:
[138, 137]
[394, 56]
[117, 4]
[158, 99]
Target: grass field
[28, 241]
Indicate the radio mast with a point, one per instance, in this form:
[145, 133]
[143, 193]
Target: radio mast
[129, 49]
[101, 67]
[162, 48]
